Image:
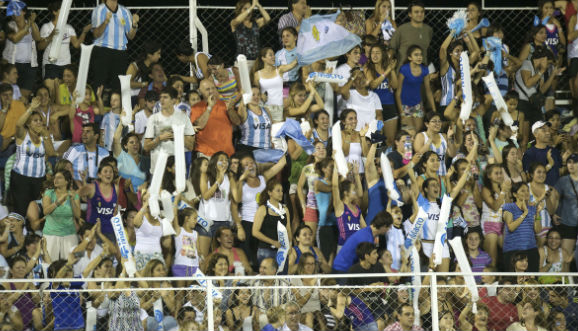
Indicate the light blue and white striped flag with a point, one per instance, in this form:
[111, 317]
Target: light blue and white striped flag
[320, 38]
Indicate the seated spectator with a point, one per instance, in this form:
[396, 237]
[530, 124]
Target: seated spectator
[557, 321]
[478, 258]
[156, 268]
[276, 319]
[224, 240]
[532, 317]
[307, 298]
[12, 239]
[12, 318]
[89, 250]
[242, 312]
[66, 306]
[158, 81]
[293, 318]
[141, 68]
[304, 238]
[501, 308]
[560, 300]
[478, 321]
[266, 298]
[405, 320]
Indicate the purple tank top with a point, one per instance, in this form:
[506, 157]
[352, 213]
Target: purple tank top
[347, 224]
[25, 305]
[101, 208]
[358, 313]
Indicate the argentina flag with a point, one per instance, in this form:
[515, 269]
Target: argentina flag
[320, 38]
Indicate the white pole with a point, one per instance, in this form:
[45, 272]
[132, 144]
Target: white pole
[392, 9]
[210, 308]
[434, 303]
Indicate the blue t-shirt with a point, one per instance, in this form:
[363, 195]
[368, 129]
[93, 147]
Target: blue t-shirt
[540, 155]
[66, 308]
[285, 56]
[523, 237]
[346, 256]
[385, 93]
[358, 313]
[568, 208]
[411, 89]
[377, 200]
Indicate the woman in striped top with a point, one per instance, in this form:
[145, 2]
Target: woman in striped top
[33, 145]
[226, 80]
[255, 124]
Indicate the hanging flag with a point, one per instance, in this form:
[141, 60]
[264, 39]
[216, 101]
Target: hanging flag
[320, 38]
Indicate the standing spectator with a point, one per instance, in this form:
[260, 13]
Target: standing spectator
[142, 116]
[10, 76]
[543, 153]
[415, 32]
[199, 62]
[21, 36]
[477, 257]
[346, 257]
[530, 79]
[12, 110]
[359, 97]
[33, 145]
[501, 307]
[565, 219]
[381, 24]
[132, 165]
[214, 120]
[522, 226]
[412, 75]
[226, 80]
[287, 55]
[112, 27]
[140, 69]
[573, 54]
[246, 28]
[380, 71]
[159, 131]
[298, 9]
[86, 157]
[255, 124]
[61, 207]
[101, 197]
[110, 121]
[271, 212]
[53, 69]
[495, 193]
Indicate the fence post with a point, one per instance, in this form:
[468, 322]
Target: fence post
[210, 308]
[392, 9]
[434, 303]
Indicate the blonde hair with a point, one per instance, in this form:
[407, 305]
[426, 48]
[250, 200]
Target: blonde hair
[376, 9]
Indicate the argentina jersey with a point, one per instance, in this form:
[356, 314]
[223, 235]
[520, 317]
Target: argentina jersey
[115, 33]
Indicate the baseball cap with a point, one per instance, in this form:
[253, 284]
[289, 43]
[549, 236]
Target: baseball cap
[539, 124]
[573, 157]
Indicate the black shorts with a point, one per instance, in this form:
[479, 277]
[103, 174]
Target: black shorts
[573, 67]
[26, 76]
[567, 231]
[52, 71]
[389, 112]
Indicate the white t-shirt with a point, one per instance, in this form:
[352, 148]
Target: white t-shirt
[83, 262]
[64, 55]
[345, 71]
[157, 124]
[23, 51]
[140, 122]
[365, 106]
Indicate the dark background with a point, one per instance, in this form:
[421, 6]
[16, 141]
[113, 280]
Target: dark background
[318, 3]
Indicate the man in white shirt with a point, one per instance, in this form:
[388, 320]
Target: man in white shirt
[292, 318]
[159, 131]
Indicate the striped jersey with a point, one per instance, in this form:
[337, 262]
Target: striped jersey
[82, 159]
[228, 90]
[115, 33]
[285, 56]
[30, 158]
[440, 150]
[256, 130]
[448, 81]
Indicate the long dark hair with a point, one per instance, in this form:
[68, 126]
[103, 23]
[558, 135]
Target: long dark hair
[264, 196]
[259, 64]
[384, 59]
[486, 180]
[421, 164]
[212, 168]
[410, 50]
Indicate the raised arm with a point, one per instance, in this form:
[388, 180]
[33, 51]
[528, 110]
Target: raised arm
[337, 202]
[274, 170]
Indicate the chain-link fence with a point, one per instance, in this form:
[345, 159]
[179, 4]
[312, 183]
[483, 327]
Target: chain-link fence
[170, 26]
[252, 303]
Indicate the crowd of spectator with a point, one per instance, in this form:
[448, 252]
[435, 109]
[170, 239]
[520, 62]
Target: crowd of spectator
[69, 166]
